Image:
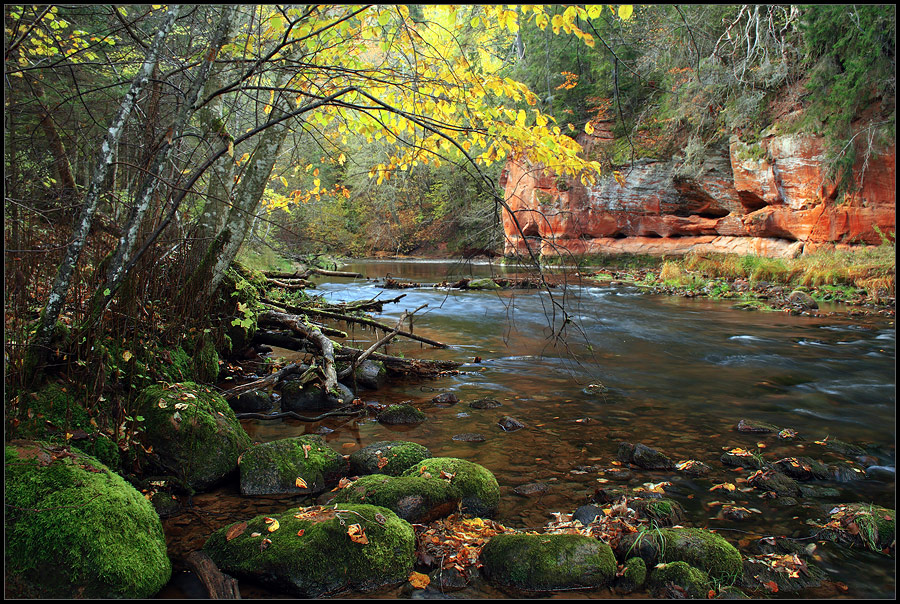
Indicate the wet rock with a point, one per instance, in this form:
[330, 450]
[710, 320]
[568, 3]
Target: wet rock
[703, 549]
[586, 514]
[547, 562]
[846, 472]
[299, 398]
[620, 474]
[313, 553]
[95, 535]
[789, 574]
[371, 374]
[596, 389]
[449, 579]
[469, 437]
[677, 580]
[608, 494]
[401, 414]
[842, 448]
[473, 483]
[739, 458]
[693, 467]
[258, 401]
[814, 491]
[886, 473]
[801, 468]
[532, 489]
[802, 299]
[485, 403]
[391, 458]
[735, 513]
[482, 284]
[194, 433]
[165, 504]
[644, 457]
[290, 466]
[775, 482]
[510, 424]
[755, 427]
[446, 399]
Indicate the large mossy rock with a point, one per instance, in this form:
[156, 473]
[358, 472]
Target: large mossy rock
[401, 415]
[416, 499]
[318, 551]
[387, 457]
[862, 525]
[475, 485]
[194, 433]
[700, 548]
[74, 529]
[547, 562]
[273, 468]
[678, 580]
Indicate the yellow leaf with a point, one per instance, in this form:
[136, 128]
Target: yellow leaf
[625, 12]
[231, 148]
[594, 10]
[273, 524]
[589, 128]
[301, 483]
[126, 356]
[283, 180]
[418, 580]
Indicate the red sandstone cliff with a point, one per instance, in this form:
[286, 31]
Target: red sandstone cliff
[770, 200]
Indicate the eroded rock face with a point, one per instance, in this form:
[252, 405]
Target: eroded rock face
[771, 198]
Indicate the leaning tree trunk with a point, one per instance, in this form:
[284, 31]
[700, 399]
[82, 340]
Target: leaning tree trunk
[38, 348]
[116, 271]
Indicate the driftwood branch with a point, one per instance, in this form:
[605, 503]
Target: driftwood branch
[359, 320]
[310, 332]
[305, 274]
[379, 343]
[218, 585]
[266, 382]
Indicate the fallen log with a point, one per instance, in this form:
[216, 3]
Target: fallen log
[218, 585]
[328, 331]
[291, 284]
[305, 274]
[359, 320]
[268, 381]
[398, 365]
[298, 325]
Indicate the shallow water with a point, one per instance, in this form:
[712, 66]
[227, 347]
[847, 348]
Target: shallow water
[679, 374]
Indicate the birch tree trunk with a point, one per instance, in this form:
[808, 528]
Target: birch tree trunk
[38, 349]
[116, 271]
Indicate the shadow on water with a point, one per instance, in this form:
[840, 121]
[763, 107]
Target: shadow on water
[678, 375]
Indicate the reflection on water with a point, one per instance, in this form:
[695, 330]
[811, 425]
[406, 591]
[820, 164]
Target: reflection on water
[679, 373]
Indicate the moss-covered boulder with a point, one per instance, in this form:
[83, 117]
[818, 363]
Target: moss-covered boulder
[633, 576]
[318, 551]
[679, 580]
[74, 529]
[194, 433]
[547, 562]
[475, 485]
[702, 549]
[302, 465]
[416, 499]
[663, 512]
[482, 284]
[387, 457]
[297, 397]
[401, 415]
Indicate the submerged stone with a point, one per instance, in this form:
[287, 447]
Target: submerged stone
[547, 562]
[302, 465]
[445, 399]
[643, 457]
[485, 403]
[776, 482]
[700, 548]
[318, 551]
[402, 414]
[297, 397]
[469, 437]
[74, 529]
[510, 424]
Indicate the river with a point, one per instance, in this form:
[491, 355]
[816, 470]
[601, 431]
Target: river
[678, 374]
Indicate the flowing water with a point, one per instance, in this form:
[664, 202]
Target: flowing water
[678, 375]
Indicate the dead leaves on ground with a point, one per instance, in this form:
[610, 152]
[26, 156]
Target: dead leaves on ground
[455, 542]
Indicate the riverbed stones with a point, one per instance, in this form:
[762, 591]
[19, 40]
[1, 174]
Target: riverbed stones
[445, 399]
[700, 548]
[391, 458]
[74, 529]
[862, 525]
[663, 512]
[401, 415]
[510, 424]
[485, 403]
[802, 299]
[643, 457]
[547, 562]
[318, 551]
[299, 398]
[193, 432]
[678, 580]
[469, 437]
[801, 468]
[775, 482]
[302, 465]
[586, 514]
[416, 499]
[532, 489]
[741, 458]
[476, 485]
[845, 472]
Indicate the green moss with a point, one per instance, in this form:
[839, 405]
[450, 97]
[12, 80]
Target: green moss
[417, 499]
[692, 580]
[180, 367]
[55, 404]
[274, 467]
[548, 562]
[75, 529]
[635, 571]
[194, 432]
[323, 560]
[206, 360]
[703, 549]
[386, 457]
[401, 414]
[474, 483]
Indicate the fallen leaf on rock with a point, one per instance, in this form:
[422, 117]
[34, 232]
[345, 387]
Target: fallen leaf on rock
[771, 586]
[255, 534]
[357, 534]
[273, 526]
[235, 531]
[306, 449]
[725, 485]
[342, 483]
[301, 483]
[300, 532]
[419, 580]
